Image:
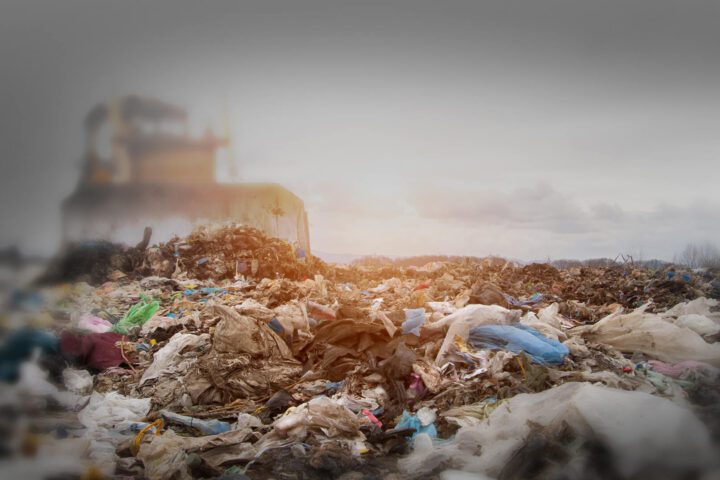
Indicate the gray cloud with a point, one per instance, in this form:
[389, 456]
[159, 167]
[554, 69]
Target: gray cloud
[538, 207]
[614, 104]
[600, 229]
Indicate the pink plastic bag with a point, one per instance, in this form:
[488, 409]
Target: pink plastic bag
[94, 324]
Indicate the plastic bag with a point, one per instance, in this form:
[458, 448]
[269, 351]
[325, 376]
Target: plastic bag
[686, 369]
[699, 306]
[237, 333]
[548, 322]
[207, 427]
[166, 456]
[158, 325]
[291, 316]
[321, 415]
[695, 315]
[515, 302]
[640, 430]
[408, 420]
[78, 381]
[460, 323]
[519, 338]
[94, 324]
[166, 361]
[108, 419]
[445, 308]
[652, 335]
[699, 324]
[414, 319]
[138, 314]
[33, 389]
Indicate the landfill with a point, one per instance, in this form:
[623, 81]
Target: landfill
[224, 354]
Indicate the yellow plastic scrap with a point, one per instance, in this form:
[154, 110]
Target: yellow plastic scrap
[158, 424]
[360, 448]
[92, 473]
[462, 345]
[418, 298]
[522, 367]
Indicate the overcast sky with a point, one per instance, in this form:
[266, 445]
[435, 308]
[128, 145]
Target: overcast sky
[528, 129]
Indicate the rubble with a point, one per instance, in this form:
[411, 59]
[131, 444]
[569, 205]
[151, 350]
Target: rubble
[224, 354]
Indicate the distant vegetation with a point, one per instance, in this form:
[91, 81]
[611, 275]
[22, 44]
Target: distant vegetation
[420, 260]
[699, 256]
[417, 261]
[610, 262]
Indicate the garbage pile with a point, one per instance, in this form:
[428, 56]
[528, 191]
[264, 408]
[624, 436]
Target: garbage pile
[217, 252]
[227, 251]
[578, 290]
[193, 366]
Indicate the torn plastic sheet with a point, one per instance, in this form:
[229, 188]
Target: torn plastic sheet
[671, 436]
[652, 335]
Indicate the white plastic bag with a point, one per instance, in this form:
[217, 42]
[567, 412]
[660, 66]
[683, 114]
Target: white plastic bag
[547, 322]
[167, 359]
[641, 431]
[78, 381]
[699, 306]
[652, 335]
[107, 418]
[699, 324]
[460, 323]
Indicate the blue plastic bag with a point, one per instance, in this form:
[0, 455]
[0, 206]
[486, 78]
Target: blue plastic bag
[408, 420]
[519, 338]
[414, 319]
[537, 297]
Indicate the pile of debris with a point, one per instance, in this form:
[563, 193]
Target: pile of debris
[217, 252]
[198, 365]
[228, 251]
